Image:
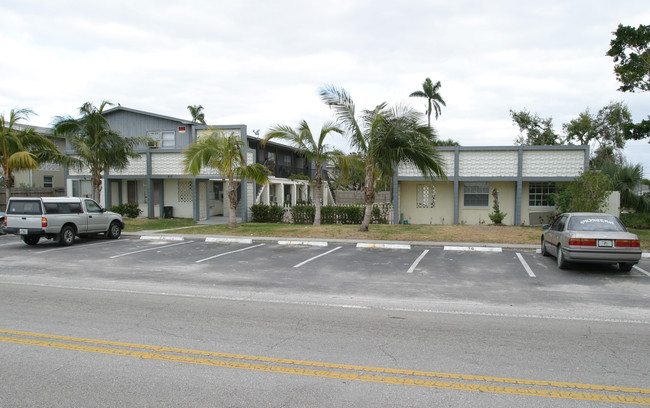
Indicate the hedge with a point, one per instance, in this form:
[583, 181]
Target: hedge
[267, 213]
[330, 214]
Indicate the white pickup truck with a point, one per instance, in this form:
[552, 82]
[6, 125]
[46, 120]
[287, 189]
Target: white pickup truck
[59, 218]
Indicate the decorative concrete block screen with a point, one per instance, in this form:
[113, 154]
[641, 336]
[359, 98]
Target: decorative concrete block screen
[136, 167]
[553, 163]
[488, 163]
[408, 170]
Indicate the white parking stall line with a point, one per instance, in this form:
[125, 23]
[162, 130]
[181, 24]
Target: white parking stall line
[60, 248]
[525, 264]
[642, 271]
[228, 253]
[150, 249]
[10, 243]
[316, 257]
[417, 261]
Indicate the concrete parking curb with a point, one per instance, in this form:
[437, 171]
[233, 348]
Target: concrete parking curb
[385, 246]
[473, 249]
[230, 240]
[162, 238]
[309, 243]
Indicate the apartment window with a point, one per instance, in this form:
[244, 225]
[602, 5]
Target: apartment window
[476, 194]
[538, 194]
[48, 181]
[426, 196]
[163, 138]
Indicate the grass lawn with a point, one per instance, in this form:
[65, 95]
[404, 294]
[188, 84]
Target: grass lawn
[411, 232]
[143, 224]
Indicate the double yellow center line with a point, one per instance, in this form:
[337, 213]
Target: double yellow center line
[464, 382]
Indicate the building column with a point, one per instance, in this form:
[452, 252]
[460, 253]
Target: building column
[294, 194]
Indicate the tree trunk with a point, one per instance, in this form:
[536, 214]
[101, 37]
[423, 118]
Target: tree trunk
[8, 185]
[319, 194]
[97, 186]
[369, 197]
[232, 197]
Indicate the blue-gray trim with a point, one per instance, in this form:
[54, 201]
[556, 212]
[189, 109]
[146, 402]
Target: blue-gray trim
[396, 203]
[519, 179]
[456, 183]
[195, 200]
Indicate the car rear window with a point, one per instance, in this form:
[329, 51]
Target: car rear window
[24, 207]
[595, 223]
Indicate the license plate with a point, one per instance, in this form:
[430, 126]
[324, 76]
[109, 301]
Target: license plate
[23, 231]
[605, 243]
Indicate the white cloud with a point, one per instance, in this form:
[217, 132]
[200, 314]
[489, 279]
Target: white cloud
[261, 63]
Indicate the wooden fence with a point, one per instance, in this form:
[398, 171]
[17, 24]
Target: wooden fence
[29, 192]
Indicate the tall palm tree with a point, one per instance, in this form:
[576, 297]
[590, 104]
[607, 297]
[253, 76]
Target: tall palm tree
[314, 150]
[22, 148]
[226, 154]
[197, 113]
[383, 137]
[434, 100]
[97, 147]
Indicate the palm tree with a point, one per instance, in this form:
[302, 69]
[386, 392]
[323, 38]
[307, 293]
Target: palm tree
[384, 137]
[226, 154]
[317, 151]
[23, 148]
[626, 179]
[97, 147]
[197, 113]
[434, 100]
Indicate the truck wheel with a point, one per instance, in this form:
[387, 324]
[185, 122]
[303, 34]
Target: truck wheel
[114, 230]
[66, 237]
[31, 239]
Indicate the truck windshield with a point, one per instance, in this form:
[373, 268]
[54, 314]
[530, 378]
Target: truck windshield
[24, 207]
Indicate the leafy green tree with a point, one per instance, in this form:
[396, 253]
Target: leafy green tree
[97, 147]
[197, 113]
[384, 137]
[22, 148]
[605, 133]
[631, 53]
[587, 193]
[226, 154]
[432, 93]
[313, 150]
[630, 50]
[534, 130]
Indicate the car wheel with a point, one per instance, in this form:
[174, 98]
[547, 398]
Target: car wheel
[544, 250]
[561, 263]
[31, 239]
[625, 266]
[114, 230]
[66, 237]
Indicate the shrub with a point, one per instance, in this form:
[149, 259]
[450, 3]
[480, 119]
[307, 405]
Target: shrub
[636, 220]
[267, 213]
[587, 193]
[303, 214]
[130, 210]
[497, 216]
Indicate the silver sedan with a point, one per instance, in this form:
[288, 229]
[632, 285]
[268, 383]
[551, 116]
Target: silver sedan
[591, 237]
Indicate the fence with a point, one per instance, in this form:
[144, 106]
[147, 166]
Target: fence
[353, 197]
[29, 192]
[385, 209]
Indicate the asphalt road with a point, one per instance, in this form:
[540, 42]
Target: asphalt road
[161, 323]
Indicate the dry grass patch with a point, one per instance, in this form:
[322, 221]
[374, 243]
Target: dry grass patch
[438, 233]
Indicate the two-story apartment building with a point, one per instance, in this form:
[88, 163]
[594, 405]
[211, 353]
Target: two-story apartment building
[157, 181]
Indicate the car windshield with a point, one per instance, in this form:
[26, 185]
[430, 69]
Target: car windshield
[595, 223]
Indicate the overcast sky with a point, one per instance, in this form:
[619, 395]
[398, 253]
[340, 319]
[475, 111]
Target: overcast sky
[260, 63]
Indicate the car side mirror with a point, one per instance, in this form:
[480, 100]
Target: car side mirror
[546, 226]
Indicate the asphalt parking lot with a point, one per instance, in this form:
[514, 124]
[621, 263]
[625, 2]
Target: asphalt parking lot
[338, 272]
